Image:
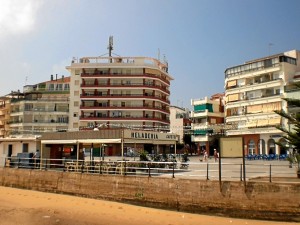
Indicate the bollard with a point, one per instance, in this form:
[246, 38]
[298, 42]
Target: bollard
[207, 168]
[270, 173]
[149, 173]
[241, 172]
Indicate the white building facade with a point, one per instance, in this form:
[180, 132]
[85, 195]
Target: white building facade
[208, 120]
[131, 92]
[253, 91]
[180, 123]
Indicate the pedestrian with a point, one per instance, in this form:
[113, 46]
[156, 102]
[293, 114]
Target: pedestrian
[36, 157]
[205, 156]
[216, 155]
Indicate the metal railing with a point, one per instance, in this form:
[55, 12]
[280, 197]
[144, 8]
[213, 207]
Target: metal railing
[230, 171]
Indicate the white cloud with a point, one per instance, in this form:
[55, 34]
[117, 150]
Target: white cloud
[17, 16]
[60, 68]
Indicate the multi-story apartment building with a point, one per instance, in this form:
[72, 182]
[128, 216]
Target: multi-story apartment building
[39, 108]
[253, 91]
[130, 92]
[208, 120]
[4, 116]
[180, 122]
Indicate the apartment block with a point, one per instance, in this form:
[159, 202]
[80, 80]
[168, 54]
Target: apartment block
[115, 92]
[208, 121]
[4, 116]
[39, 108]
[180, 122]
[253, 91]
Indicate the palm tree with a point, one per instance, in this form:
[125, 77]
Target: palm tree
[292, 136]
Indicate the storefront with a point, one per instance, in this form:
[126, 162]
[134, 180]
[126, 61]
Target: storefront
[108, 142]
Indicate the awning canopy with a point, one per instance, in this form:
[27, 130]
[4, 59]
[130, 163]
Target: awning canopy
[84, 141]
[99, 141]
[58, 141]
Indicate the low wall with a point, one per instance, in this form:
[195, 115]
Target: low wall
[258, 200]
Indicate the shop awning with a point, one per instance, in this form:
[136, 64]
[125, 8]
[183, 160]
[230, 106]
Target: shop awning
[58, 141]
[84, 141]
[99, 141]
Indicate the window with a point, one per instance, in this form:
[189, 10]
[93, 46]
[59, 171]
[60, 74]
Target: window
[67, 87]
[59, 87]
[251, 147]
[76, 103]
[271, 145]
[25, 147]
[77, 72]
[51, 87]
[76, 82]
[75, 115]
[76, 93]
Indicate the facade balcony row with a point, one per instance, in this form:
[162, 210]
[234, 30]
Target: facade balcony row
[260, 65]
[260, 130]
[238, 100]
[117, 61]
[124, 118]
[44, 100]
[110, 76]
[254, 86]
[36, 121]
[128, 108]
[38, 111]
[206, 113]
[144, 96]
[126, 86]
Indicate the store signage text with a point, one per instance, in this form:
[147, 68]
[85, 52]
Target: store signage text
[144, 135]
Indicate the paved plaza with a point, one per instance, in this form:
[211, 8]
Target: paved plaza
[231, 169]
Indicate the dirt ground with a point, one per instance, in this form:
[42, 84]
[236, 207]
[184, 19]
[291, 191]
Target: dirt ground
[25, 207]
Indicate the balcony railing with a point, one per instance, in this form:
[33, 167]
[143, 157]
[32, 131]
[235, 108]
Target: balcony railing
[61, 99]
[40, 110]
[147, 95]
[113, 107]
[131, 118]
[37, 121]
[111, 75]
[254, 83]
[137, 85]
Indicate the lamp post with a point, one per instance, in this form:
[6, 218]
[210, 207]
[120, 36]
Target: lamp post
[103, 151]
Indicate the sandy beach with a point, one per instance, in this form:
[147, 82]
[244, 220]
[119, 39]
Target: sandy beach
[28, 207]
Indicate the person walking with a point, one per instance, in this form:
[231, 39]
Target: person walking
[205, 156]
[36, 157]
[216, 155]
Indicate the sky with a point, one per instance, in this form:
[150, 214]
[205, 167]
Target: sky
[198, 38]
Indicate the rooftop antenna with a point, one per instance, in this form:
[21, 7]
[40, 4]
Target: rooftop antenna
[26, 79]
[110, 47]
[158, 54]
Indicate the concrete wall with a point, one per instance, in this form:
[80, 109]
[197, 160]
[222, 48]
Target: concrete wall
[272, 201]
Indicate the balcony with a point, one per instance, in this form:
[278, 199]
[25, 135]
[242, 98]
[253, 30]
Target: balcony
[265, 98]
[206, 113]
[120, 76]
[43, 100]
[255, 86]
[131, 107]
[125, 86]
[124, 118]
[124, 96]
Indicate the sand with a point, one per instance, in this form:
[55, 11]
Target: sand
[26, 207]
